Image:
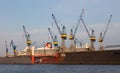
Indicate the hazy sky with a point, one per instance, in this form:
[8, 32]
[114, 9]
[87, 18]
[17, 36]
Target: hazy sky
[36, 16]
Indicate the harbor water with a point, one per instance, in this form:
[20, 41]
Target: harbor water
[49, 68]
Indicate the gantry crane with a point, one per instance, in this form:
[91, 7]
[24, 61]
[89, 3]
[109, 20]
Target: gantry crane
[54, 38]
[73, 35]
[101, 38]
[91, 36]
[27, 35]
[7, 54]
[62, 33]
[12, 44]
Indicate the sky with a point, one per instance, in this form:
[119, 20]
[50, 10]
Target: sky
[36, 16]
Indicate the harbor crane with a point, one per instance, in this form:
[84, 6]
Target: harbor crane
[91, 36]
[102, 36]
[12, 44]
[62, 33]
[7, 54]
[77, 41]
[27, 35]
[54, 38]
[73, 35]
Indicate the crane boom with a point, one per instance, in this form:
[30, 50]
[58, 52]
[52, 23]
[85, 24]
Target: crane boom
[54, 39]
[56, 23]
[13, 45]
[26, 35]
[107, 26]
[78, 22]
[85, 27]
[101, 38]
[6, 48]
[28, 41]
[6, 44]
[51, 34]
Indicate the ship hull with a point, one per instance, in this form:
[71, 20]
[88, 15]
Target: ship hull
[46, 60]
[90, 57]
[29, 60]
[16, 60]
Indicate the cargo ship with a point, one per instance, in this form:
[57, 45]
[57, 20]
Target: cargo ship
[78, 57]
[90, 57]
[62, 54]
[89, 54]
[32, 55]
[16, 60]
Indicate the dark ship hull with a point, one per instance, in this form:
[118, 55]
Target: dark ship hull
[90, 57]
[16, 60]
[29, 60]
